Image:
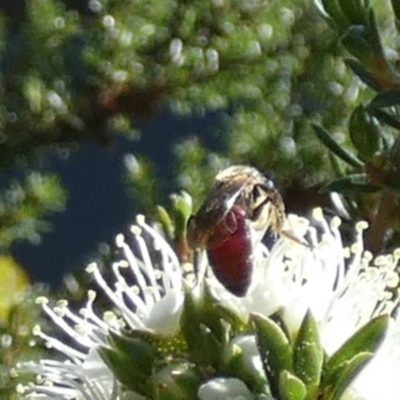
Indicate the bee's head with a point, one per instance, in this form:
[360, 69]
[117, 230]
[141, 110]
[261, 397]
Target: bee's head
[237, 185]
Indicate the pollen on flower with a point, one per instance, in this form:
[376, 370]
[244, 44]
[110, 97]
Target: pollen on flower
[84, 312]
[61, 308]
[60, 311]
[157, 244]
[368, 256]
[136, 230]
[91, 268]
[119, 240]
[21, 389]
[356, 248]
[318, 214]
[92, 295]
[62, 303]
[361, 226]
[36, 330]
[140, 219]
[110, 318]
[42, 300]
[383, 260]
[393, 281]
[83, 329]
[396, 253]
[335, 222]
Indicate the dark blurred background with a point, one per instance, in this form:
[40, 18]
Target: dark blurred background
[98, 206]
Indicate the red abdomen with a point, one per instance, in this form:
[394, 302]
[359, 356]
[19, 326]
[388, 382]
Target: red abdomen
[230, 254]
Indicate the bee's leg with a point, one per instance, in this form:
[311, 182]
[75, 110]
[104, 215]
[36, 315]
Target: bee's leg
[199, 266]
[273, 197]
[290, 235]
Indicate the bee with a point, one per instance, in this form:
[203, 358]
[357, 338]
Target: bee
[242, 205]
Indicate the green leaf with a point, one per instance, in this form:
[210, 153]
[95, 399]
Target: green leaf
[385, 118]
[165, 220]
[275, 350]
[131, 359]
[308, 355]
[237, 364]
[333, 9]
[332, 145]
[363, 73]
[291, 387]
[355, 41]
[134, 348]
[396, 10]
[346, 375]
[182, 209]
[203, 329]
[386, 98]
[364, 133]
[178, 381]
[238, 325]
[128, 372]
[354, 10]
[16, 284]
[355, 183]
[365, 340]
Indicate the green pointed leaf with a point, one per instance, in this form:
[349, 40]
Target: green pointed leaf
[375, 39]
[182, 209]
[238, 325]
[333, 146]
[357, 44]
[178, 381]
[204, 331]
[308, 355]
[131, 359]
[354, 10]
[364, 133]
[333, 9]
[384, 117]
[237, 364]
[165, 220]
[396, 10]
[291, 387]
[355, 183]
[130, 374]
[363, 73]
[347, 373]
[365, 340]
[386, 98]
[275, 350]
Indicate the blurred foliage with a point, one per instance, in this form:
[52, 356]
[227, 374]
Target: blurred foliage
[23, 206]
[309, 91]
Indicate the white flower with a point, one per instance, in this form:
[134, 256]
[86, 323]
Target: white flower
[154, 303]
[343, 288]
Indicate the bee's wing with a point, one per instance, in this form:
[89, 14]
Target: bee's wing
[215, 208]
